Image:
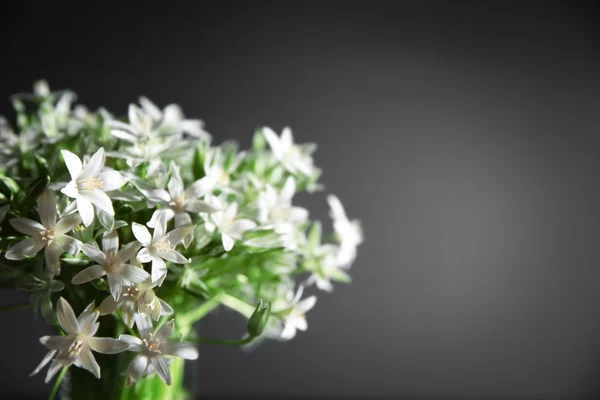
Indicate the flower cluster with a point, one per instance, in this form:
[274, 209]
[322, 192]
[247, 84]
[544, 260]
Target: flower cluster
[96, 209]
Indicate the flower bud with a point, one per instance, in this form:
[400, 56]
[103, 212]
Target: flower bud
[258, 320]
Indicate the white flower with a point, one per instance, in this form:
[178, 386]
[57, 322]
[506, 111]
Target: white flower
[160, 246]
[153, 348]
[177, 202]
[140, 127]
[225, 222]
[215, 169]
[294, 313]
[291, 155]
[137, 299]
[349, 233]
[90, 183]
[112, 262]
[77, 345]
[48, 234]
[171, 120]
[275, 210]
[326, 267]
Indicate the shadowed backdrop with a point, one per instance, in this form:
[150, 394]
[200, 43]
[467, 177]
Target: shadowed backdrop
[464, 135]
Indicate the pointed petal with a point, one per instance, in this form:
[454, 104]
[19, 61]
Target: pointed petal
[52, 256]
[200, 188]
[133, 343]
[56, 342]
[134, 274]
[144, 256]
[88, 321]
[70, 189]
[273, 141]
[160, 229]
[124, 135]
[99, 199]
[159, 268]
[26, 248]
[144, 325]
[289, 331]
[93, 252]
[306, 304]
[175, 185]
[174, 257]
[177, 234]
[182, 219]
[107, 345]
[165, 309]
[289, 188]
[150, 108]
[94, 166]
[162, 369]
[86, 210]
[68, 244]
[128, 251]
[54, 368]
[141, 234]
[199, 206]
[111, 180]
[27, 226]
[108, 306]
[47, 208]
[68, 223]
[42, 364]
[66, 317]
[240, 226]
[115, 284]
[227, 241]
[166, 212]
[166, 331]
[287, 139]
[136, 369]
[73, 163]
[179, 349]
[88, 274]
[87, 361]
[110, 242]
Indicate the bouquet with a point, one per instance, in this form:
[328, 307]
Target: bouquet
[126, 231]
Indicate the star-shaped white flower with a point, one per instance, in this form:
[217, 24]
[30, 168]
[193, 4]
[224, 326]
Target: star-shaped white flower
[275, 208]
[48, 234]
[171, 120]
[137, 299]
[112, 262]
[77, 345]
[160, 246]
[225, 222]
[140, 127]
[294, 313]
[177, 202]
[153, 348]
[291, 155]
[90, 183]
[349, 233]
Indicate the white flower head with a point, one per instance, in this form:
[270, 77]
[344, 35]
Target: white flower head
[294, 313]
[178, 203]
[111, 262]
[136, 299]
[160, 246]
[227, 224]
[153, 348]
[89, 184]
[141, 127]
[48, 234]
[349, 233]
[171, 120]
[289, 154]
[77, 345]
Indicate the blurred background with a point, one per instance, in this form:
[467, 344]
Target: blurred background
[464, 135]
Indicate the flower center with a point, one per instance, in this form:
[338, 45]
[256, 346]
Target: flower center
[152, 345]
[222, 177]
[178, 203]
[48, 235]
[163, 246]
[75, 347]
[90, 184]
[130, 292]
[112, 264]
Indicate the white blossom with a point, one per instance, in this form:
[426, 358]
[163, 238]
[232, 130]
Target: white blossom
[225, 222]
[153, 348]
[112, 263]
[160, 247]
[48, 234]
[75, 348]
[293, 310]
[89, 184]
[171, 120]
[349, 233]
[291, 155]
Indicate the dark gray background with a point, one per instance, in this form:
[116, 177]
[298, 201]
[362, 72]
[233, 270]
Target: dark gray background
[465, 135]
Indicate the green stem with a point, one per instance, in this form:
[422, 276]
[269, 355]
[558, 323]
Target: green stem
[15, 307]
[236, 304]
[57, 383]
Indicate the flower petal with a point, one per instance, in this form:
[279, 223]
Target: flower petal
[198, 206]
[87, 361]
[159, 268]
[136, 369]
[66, 317]
[86, 210]
[144, 325]
[115, 284]
[174, 257]
[133, 343]
[108, 306]
[111, 180]
[68, 223]
[107, 345]
[179, 349]
[88, 274]
[200, 188]
[93, 252]
[128, 251]
[227, 241]
[165, 309]
[175, 185]
[52, 256]
[166, 212]
[73, 163]
[94, 166]
[240, 226]
[289, 188]
[134, 274]
[43, 363]
[162, 369]
[177, 234]
[99, 199]
[306, 304]
[54, 368]
[144, 256]
[27, 226]
[56, 342]
[124, 135]
[273, 141]
[26, 248]
[160, 229]
[141, 234]
[165, 332]
[47, 208]
[110, 242]
[70, 189]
